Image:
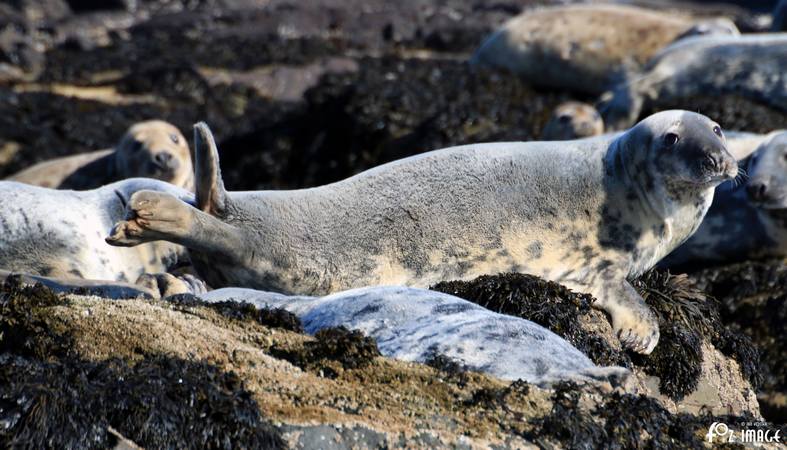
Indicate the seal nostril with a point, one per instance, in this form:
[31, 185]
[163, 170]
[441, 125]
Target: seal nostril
[163, 159]
[757, 191]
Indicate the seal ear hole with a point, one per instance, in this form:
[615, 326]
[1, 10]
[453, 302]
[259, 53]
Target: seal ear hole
[671, 139]
[717, 130]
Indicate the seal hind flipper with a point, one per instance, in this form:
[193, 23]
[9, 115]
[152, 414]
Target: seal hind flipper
[211, 194]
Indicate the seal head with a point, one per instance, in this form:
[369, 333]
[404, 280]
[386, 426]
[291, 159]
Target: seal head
[156, 149]
[573, 120]
[767, 169]
[686, 154]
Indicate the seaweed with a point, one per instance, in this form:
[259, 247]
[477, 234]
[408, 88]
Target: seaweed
[235, 310]
[333, 349]
[546, 303]
[687, 316]
[753, 302]
[160, 402]
[25, 327]
[620, 421]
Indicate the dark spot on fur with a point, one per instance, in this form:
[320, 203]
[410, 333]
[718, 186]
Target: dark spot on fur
[535, 249]
[454, 308]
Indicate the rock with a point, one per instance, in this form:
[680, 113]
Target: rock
[123, 351]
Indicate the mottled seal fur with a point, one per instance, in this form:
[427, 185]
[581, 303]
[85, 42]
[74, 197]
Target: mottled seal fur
[416, 324]
[748, 220]
[573, 120]
[150, 149]
[587, 48]
[750, 66]
[60, 234]
[588, 213]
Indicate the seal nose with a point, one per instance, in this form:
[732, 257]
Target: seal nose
[757, 191]
[163, 160]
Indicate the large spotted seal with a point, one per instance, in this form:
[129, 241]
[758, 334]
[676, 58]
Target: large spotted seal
[151, 149]
[747, 220]
[587, 48]
[750, 66]
[573, 120]
[588, 213]
[415, 325]
[60, 234]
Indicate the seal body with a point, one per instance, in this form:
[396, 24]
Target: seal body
[415, 325]
[587, 213]
[586, 48]
[60, 234]
[573, 120]
[151, 149]
[747, 220]
[751, 66]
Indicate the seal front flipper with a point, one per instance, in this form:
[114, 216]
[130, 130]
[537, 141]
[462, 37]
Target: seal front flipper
[633, 322]
[211, 194]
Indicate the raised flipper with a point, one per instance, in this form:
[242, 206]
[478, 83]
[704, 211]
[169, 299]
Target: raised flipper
[211, 194]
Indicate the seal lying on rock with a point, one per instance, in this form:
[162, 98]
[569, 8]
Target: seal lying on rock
[415, 325]
[751, 66]
[152, 149]
[588, 213]
[587, 48]
[573, 120]
[60, 234]
[747, 221]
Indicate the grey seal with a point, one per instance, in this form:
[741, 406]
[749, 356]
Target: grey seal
[588, 213]
[151, 149]
[747, 220]
[60, 234]
[415, 325]
[750, 66]
[573, 120]
[587, 48]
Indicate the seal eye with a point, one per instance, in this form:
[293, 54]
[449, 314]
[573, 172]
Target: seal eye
[717, 130]
[565, 118]
[175, 139]
[136, 146]
[671, 139]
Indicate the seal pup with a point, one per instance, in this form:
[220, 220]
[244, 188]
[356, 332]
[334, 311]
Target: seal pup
[587, 48]
[588, 213]
[573, 120]
[151, 149]
[746, 221]
[60, 234]
[751, 66]
[412, 324]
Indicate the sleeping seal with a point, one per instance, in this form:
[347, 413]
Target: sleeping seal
[587, 48]
[750, 66]
[151, 149]
[588, 213]
[746, 221]
[415, 324]
[60, 234]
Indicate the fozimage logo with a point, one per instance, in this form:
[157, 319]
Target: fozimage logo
[720, 432]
